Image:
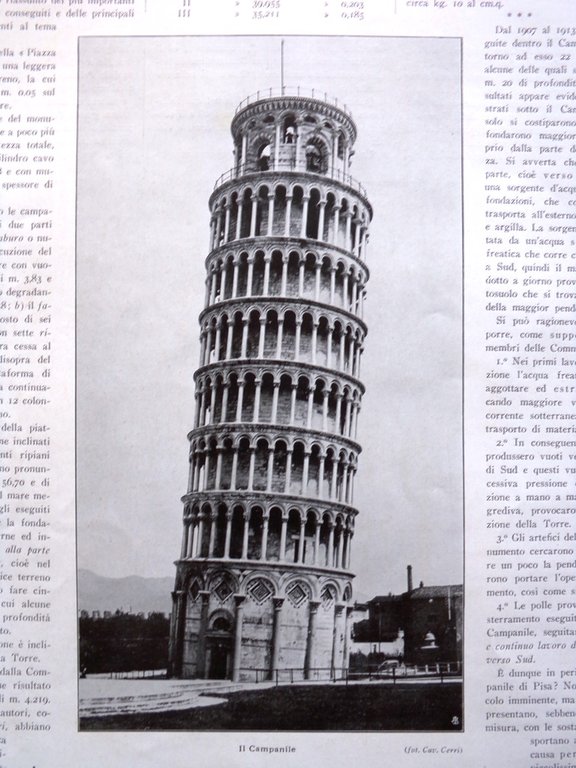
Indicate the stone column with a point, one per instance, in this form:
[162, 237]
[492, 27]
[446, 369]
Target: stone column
[229, 335]
[338, 553]
[334, 478]
[212, 401]
[218, 468]
[212, 540]
[236, 266]
[288, 215]
[208, 350]
[282, 554]
[185, 533]
[347, 240]
[190, 486]
[276, 635]
[339, 397]
[250, 276]
[311, 640]
[202, 347]
[298, 146]
[218, 228]
[297, 339]
[212, 232]
[349, 559]
[314, 340]
[269, 469]
[346, 488]
[179, 622]
[347, 418]
[270, 213]
[300, 557]
[310, 408]
[228, 533]
[225, 390]
[262, 337]
[251, 469]
[277, 146]
[239, 600]
[239, 219]
[317, 277]
[226, 230]
[279, 338]
[336, 635]
[317, 529]
[284, 281]
[275, 395]
[325, 411]
[320, 234]
[257, 393]
[212, 286]
[201, 517]
[240, 401]
[293, 404]
[192, 539]
[305, 469]
[355, 239]
[351, 474]
[346, 298]
[321, 477]
[244, 347]
[335, 225]
[244, 152]
[266, 286]
[234, 471]
[305, 201]
[196, 479]
[245, 532]
[264, 542]
[301, 265]
[330, 553]
[288, 470]
[253, 213]
[201, 654]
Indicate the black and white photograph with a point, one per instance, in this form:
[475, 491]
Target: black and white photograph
[270, 493]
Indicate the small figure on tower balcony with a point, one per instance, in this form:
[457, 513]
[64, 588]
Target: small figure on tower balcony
[264, 159]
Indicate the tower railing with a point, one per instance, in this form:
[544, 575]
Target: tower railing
[292, 167]
[287, 90]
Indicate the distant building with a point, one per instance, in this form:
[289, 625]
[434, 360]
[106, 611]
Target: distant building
[430, 618]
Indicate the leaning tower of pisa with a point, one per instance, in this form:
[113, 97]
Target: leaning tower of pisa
[263, 584]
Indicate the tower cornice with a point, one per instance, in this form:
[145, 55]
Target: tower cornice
[255, 430]
[343, 181]
[265, 365]
[269, 243]
[266, 303]
[281, 100]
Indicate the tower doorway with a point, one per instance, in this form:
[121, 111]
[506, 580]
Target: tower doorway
[219, 660]
[219, 647]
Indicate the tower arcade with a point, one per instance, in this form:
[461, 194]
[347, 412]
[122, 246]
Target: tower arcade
[263, 582]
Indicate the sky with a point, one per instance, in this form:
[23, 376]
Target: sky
[153, 137]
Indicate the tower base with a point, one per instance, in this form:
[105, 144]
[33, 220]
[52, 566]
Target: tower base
[246, 621]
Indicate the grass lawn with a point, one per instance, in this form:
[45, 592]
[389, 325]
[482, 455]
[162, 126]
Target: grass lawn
[374, 707]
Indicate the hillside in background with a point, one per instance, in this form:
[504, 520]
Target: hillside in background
[131, 594]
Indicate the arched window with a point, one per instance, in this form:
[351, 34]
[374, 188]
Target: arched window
[264, 155]
[289, 131]
[313, 158]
